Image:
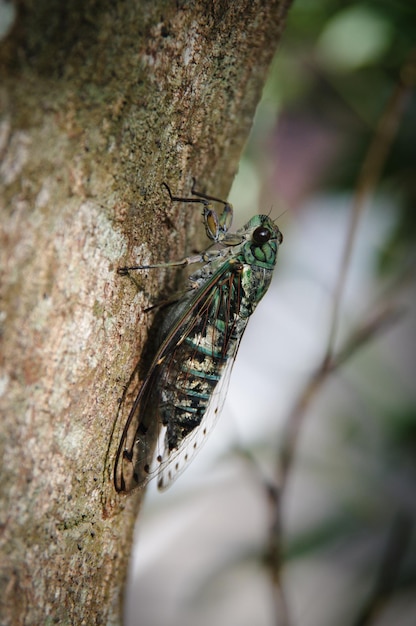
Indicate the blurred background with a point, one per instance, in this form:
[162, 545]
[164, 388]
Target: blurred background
[345, 525]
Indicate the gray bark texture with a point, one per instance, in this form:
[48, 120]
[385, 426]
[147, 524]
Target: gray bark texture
[99, 103]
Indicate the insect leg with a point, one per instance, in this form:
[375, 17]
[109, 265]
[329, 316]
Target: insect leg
[226, 217]
[200, 200]
[204, 257]
[215, 227]
[211, 221]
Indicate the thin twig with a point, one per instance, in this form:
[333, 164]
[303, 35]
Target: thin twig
[367, 181]
[394, 553]
[385, 318]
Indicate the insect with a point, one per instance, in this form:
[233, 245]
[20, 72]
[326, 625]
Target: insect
[184, 390]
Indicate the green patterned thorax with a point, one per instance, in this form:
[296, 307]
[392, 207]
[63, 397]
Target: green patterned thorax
[187, 382]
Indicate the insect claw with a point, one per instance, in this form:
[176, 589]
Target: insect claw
[168, 189]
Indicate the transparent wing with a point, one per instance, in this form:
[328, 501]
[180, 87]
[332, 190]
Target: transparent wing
[136, 462]
[135, 451]
[170, 464]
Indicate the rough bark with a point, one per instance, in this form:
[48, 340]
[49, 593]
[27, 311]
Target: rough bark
[100, 102]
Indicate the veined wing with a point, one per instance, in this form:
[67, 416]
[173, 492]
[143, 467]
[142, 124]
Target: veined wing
[195, 358]
[171, 463]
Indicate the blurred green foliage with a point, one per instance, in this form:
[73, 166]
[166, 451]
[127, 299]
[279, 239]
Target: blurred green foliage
[340, 62]
[338, 65]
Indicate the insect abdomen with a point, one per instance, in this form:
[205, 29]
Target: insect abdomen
[188, 388]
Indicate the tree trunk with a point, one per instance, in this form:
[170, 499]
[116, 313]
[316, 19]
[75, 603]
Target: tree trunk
[100, 102]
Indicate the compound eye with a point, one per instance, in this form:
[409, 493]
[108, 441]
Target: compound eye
[261, 235]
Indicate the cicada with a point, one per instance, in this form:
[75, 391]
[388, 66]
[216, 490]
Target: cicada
[183, 393]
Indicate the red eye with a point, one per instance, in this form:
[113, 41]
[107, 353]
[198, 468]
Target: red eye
[261, 235]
